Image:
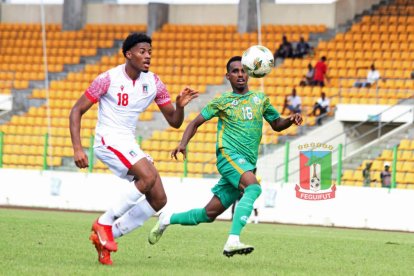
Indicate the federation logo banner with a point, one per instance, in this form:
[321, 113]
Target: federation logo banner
[315, 173]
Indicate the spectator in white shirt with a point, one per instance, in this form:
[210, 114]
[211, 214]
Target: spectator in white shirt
[323, 106]
[373, 77]
[293, 103]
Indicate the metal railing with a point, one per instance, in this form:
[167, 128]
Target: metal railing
[352, 129]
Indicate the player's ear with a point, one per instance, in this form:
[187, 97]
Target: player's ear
[128, 54]
[227, 76]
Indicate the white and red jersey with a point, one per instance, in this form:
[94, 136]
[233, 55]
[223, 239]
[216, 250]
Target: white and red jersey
[122, 99]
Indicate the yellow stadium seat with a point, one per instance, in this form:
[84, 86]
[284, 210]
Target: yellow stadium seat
[400, 178]
[386, 155]
[408, 166]
[406, 144]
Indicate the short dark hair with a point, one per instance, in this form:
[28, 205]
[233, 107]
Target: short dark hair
[235, 58]
[133, 39]
[323, 58]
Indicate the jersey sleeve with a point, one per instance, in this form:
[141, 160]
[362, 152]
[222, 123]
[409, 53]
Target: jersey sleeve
[269, 111]
[211, 109]
[162, 97]
[98, 87]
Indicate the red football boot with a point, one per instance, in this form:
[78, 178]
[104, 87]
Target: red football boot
[104, 255]
[105, 236]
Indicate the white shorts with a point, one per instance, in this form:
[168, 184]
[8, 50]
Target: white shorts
[119, 153]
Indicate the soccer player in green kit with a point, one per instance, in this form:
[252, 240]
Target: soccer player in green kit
[239, 132]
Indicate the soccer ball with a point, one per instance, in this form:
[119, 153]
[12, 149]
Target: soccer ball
[257, 61]
[315, 184]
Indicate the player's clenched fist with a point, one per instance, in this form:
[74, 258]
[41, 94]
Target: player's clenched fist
[81, 160]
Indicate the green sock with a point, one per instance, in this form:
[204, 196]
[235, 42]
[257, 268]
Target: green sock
[192, 217]
[244, 208]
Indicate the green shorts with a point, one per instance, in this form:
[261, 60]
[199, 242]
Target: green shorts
[231, 167]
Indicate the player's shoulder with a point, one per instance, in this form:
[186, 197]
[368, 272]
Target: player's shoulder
[223, 97]
[113, 73]
[120, 69]
[257, 94]
[104, 77]
[150, 76]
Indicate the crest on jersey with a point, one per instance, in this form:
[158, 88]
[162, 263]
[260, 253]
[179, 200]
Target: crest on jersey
[235, 102]
[122, 88]
[145, 88]
[256, 100]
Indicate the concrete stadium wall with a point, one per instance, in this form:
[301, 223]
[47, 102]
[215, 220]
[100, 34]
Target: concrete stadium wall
[346, 9]
[327, 14]
[204, 14]
[354, 207]
[117, 14]
[30, 13]
[287, 14]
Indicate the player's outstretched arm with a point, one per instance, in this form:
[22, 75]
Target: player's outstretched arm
[283, 123]
[189, 132]
[175, 116]
[81, 106]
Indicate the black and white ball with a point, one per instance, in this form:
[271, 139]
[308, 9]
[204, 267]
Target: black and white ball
[315, 184]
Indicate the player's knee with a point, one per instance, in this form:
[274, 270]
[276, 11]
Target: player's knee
[147, 182]
[254, 189]
[211, 216]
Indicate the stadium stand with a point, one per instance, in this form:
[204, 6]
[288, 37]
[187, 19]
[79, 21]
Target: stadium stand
[192, 53]
[15, 73]
[405, 169]
[197, 53]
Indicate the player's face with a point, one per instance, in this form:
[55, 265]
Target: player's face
[237, 76]
[139, 56]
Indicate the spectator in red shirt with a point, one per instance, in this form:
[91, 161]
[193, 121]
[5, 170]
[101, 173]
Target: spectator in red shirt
[321, 70]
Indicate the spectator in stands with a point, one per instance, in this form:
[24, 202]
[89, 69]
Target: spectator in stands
[322, 106]
[308, 77]
[373, 77]
[302, 48]
[293, 103]
[321, 70]
[123, 93]
[285, 49]
[366, 174]
[385, 176]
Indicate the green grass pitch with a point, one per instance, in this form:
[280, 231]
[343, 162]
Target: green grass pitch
[56, 243]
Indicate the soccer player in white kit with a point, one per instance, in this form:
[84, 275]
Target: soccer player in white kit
[123, 93]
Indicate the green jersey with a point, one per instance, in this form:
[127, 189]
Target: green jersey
[239, 128]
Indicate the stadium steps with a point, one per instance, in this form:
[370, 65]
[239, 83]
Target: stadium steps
[357, 161]
[314, 38]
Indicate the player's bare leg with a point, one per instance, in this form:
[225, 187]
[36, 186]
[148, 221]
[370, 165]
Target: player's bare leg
[155, 199]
